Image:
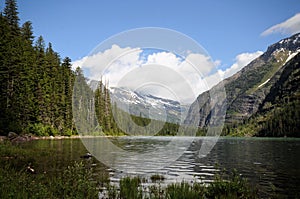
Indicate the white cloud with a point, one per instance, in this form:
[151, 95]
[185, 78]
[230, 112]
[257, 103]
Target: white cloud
[290, 26]
[166, 72]
[187, 76]
[164, 59]
[98, 64]
[241, 60]
[162, 73]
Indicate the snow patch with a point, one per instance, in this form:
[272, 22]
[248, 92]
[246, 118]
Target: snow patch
[264, 83]
[291, 56]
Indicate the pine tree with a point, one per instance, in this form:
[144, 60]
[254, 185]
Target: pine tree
[27, 78]
[40, 104]
[4, 76]
[11, 14]
[52, 64]
[27, 32]
[68, 87]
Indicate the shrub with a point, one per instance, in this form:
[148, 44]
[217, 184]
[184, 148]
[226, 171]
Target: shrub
[40, 129]
[68, 132]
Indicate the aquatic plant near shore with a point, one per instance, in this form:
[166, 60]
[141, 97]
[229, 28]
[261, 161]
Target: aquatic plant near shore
[230, 186]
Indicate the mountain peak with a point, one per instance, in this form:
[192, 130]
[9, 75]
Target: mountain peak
[291, 44]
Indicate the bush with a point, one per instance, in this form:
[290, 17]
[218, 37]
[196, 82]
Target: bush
[40, 129]
[68, 132]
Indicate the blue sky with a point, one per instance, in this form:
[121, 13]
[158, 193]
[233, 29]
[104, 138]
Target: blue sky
[232, 32]
[224, 28]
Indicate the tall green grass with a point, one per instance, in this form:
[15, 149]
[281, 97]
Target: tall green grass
[233, 186]
[19, 179]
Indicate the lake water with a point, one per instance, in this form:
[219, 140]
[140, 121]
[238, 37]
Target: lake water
[268, 163]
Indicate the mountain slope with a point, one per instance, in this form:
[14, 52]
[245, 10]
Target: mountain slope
[257, 83]
[279, 114]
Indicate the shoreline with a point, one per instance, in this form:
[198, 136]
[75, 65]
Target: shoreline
[26, 138]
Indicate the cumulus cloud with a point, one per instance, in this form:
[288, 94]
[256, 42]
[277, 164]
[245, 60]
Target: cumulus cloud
[183, 78]
[98, 64]
[241, 60]
[159, 73]
[290, 26]
[188, 75]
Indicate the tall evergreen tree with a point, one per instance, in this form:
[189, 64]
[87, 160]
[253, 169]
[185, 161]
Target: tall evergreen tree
[68, 87]
[11, 14]
[4, 76]
[27, 32]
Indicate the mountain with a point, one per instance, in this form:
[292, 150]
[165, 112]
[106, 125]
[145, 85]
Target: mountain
[145, 105]
[148, 106]
[265, 86]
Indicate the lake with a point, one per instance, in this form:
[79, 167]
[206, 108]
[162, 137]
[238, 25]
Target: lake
[268, 163]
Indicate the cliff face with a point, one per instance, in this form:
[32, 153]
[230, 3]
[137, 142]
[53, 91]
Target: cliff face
[256, 84]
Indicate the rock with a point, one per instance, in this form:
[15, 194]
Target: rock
[86, 156]
[30, 170]
[2, 138]
[22, 138]
[19, 139]
[12, 135]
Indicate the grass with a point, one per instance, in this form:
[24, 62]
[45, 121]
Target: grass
[130, 188]
[274, 68]
[232, 186]
[74, 182]
[20, 179]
